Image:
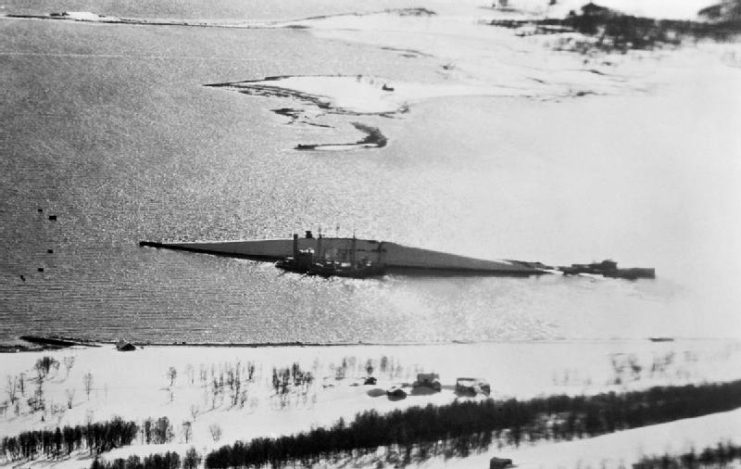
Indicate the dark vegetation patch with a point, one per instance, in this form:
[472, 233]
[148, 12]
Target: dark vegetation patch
[373, 139]
[410, 53]
[617, 31]
[97, 438]
[413, 12]
[719, 456]
[55, 342]
[298, 115]
[460, 428]
[169, 460]
[293, 114]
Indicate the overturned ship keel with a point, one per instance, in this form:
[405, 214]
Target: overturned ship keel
[355, 257]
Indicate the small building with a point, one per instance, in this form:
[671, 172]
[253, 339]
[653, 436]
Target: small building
[593, 10]
[499, 463]
[428, 380]
[123, 346]
[472, 386]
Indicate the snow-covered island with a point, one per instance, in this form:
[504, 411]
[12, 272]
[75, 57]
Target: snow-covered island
[521, 50]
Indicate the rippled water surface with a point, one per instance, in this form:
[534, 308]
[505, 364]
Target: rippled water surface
[110, 129]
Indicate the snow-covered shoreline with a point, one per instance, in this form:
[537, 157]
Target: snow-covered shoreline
[136, 385]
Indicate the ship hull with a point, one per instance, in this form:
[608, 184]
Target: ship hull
[391, 257]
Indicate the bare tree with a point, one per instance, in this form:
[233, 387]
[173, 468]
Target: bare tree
[194, 411]
[57, 410]
[190, 373]
[172, 373]
[12, 389]
[216, 390]
[192, 459]
[203, 375]
[70, 393]
[69, 362]
[37, 401]
[162, 431]
[215, 430]
[187, 431]
[147, 431]
[384, 363]
[43, 367]
[87, 382]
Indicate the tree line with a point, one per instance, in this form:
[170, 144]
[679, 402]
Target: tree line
[95, 437]
[168, 460]
[719, 456]
[462, 427]
[616, 30]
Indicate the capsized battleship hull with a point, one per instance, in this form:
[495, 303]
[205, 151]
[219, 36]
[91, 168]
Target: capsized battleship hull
[392, 257]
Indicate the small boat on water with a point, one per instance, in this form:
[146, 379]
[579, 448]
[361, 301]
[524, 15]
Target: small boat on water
[609, 268]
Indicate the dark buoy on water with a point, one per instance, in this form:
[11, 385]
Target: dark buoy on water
[40, 269]
[23, 277]
[40, 210]
[53, 217]
[50, 251]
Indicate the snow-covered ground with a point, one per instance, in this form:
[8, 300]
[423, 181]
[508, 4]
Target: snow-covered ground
[619, 449]
[136, 385]
[477, 59]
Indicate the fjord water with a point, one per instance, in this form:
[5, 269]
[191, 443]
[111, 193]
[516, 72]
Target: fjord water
[109, 128]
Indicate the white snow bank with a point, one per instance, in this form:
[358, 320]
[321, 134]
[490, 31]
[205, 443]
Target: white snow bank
[475, 58]
[367, 95]
[81, 15]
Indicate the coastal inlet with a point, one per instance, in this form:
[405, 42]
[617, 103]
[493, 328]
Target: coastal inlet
[313, 97]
